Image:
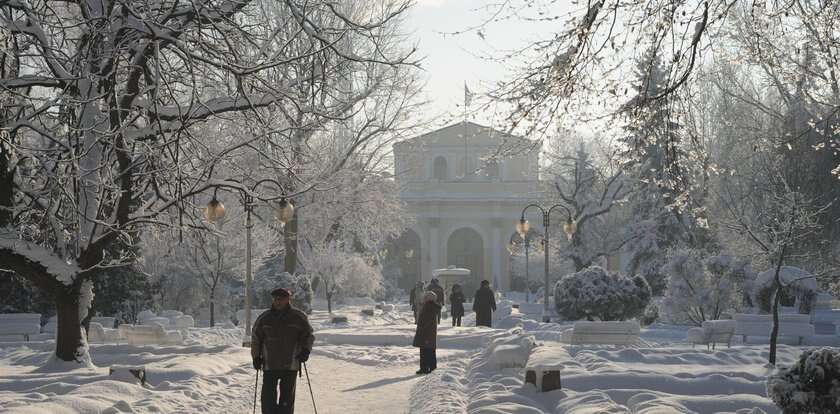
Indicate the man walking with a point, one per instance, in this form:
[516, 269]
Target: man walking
[484, 304]
[281, 340]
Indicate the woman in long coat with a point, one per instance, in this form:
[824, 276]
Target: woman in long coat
[456, 304]
[425, 337]
[484, 304]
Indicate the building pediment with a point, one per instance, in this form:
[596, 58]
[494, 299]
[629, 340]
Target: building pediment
[478, 135]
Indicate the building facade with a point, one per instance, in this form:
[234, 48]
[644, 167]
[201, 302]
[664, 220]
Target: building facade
[466, 186]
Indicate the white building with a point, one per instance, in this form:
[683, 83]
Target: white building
[466, 185]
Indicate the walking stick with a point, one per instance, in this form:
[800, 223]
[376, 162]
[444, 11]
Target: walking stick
[310, 388]
[256, 385]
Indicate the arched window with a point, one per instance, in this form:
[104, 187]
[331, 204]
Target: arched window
[440, 172]
[491, 169]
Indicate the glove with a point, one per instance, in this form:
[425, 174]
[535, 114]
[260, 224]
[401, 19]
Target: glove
[303, 356]
[258, 363]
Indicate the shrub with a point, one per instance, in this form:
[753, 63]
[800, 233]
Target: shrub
[701, 288]
[812, 385]
[595, 294]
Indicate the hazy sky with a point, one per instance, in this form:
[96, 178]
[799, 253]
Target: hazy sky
[452, 59]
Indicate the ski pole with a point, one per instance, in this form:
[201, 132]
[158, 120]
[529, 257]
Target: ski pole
[256, 385]
[310, 388]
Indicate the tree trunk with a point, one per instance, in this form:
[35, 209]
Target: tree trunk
[329, 303]
[777, 281]
[290, 241]
[212, 304]
[68, 339]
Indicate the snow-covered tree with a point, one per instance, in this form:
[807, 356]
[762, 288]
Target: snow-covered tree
[342, 274]
[810, 385]
[700, 287]
[596, 294]
[797, 284]
[593, 187]
[98, 133]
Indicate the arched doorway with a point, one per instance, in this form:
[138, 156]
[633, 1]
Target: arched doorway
[403, 255]
[465, 248]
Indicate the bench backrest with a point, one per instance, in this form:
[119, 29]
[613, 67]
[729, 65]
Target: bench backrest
[20, 323]
[608, 332]
[143, 334]
[719, 330]
[790, 324]
[105, 321]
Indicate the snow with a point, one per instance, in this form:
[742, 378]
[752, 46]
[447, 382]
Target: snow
[64, 271]
[368, 364]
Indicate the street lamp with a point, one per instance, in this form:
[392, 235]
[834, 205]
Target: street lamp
[569, 227]
[284, 212]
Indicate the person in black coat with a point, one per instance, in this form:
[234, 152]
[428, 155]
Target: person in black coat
[484, 304]
[425, 337]
[434, 286]
[456, 304]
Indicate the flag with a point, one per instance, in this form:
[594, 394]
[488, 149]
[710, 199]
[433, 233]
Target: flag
[467, 95]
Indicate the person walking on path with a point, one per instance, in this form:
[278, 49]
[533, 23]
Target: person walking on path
[425, 337]
[484, 304]
[434, 286]
[281, 340]
[456, 304]
[416, 299]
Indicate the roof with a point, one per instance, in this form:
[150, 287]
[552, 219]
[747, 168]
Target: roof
[476, 134]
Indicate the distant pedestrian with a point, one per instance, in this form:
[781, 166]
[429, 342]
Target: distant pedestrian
[281, 340]
[414, 300]
[484, 304]
[456, 304]
[434, 286]
[425, 337]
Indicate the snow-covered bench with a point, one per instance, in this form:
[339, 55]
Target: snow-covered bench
[19, 326]
[790, 325]
[150, 335]
[182, 322]
[99, 334]
[603, 333]
[713, 332]
[163, 322]
[106, 321]
[826, 321]
[544, 366]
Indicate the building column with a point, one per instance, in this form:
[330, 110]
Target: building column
[434, 246]
[497, 256]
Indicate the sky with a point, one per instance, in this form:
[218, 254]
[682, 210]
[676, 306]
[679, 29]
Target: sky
[451, 59]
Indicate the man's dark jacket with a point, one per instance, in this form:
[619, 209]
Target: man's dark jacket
[279, 336]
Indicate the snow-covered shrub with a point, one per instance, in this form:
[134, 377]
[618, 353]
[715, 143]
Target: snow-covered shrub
[387, 290]
[699, 288]
[342, 274]
[596, 294]
[795, 281]
[301, 290]
[812, 385]
[651, 313]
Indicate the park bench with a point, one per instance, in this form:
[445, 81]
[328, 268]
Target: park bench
[826, 321]
[106, 321]
[790, 325]
[19, 326]
[182, 322]
[603, 333]
[544, 366]
[712, 332]
[99, 334]
[150, 335]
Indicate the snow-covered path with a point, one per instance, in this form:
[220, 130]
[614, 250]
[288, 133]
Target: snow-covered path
[345, 387]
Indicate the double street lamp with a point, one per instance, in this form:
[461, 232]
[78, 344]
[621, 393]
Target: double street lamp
[523, 227]
[284, 212]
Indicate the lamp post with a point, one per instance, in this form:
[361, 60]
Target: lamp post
[527, 239]
[569, 227]
[284, 211]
